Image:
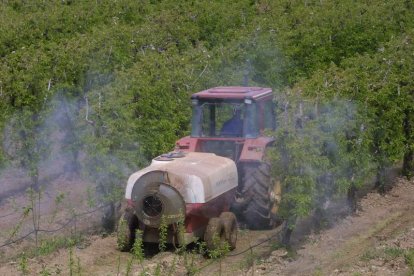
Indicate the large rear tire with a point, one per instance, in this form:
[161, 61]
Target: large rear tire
[259, 197]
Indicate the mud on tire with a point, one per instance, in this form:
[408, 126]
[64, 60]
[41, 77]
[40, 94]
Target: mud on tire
[259, 197]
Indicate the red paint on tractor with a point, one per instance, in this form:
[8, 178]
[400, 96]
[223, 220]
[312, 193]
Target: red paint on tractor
[254, 149]
[198, 214]
[234, 92]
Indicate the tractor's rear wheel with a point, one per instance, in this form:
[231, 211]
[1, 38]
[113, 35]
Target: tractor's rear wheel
[259, 197]
[127, 226]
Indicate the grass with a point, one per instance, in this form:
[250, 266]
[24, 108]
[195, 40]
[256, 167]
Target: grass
[409, 259]
[387, 253]
[370, 254]
[48, 246]
[392, 253]
[318, 272]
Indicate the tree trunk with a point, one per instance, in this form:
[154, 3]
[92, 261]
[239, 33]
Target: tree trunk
[408, 161]
[351, 198]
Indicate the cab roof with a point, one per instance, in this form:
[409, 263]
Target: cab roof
[234, 92]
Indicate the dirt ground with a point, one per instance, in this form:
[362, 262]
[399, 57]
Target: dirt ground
[371, 242]
[374, 241]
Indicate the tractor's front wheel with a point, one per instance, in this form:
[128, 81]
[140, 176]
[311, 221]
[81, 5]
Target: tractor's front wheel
[127, 226]
[259, 197]
[229, 221]
[214, 235]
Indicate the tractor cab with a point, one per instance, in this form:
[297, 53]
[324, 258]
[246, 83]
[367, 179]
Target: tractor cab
[239, 112]
[225, 117]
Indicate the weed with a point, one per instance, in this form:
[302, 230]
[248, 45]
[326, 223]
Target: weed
[45, 271]
[157, 271]
[137, 253]
[137, 248]
[58, 270]
[23, 267]
[318, 272]
[243, 232]
[189, 264]
[122, 233]
[71, 261]
[15, 230]
[79, 271]
[119, 265]
[291, 253]
[129, 266]
[51, 245]
[202, 247]
[58, 201]
[393, 252]
[370, 255]
[15, 207]
[91, 200]
[221, 248]
[172, 267]
[181, 231]
[163, 229]
[276, 245]
[248, 260]
[409, 259]
[260, 261]
[34, 199]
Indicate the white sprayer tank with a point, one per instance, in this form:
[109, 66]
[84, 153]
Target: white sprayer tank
[162, 190]
[199, 177]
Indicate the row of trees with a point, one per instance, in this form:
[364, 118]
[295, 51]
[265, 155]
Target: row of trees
[348, 118]
[113, 78]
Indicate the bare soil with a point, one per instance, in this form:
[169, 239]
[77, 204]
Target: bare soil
[371, 242]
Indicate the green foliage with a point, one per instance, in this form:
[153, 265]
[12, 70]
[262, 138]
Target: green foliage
[163, 231]
[393, 252]
[45, 271]
[370, 255]
[181, 232]
[321, 152]
[50, 245]
[71, 264]
[221, 248]
[380, 85]
[137, 248]
[409, 259]
[315, 34]
[118, 75]
[23, 266]
[157, 270]
[122, 238]
[129, 266]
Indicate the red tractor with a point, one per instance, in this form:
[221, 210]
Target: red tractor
[220, 167]
[257, 195]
